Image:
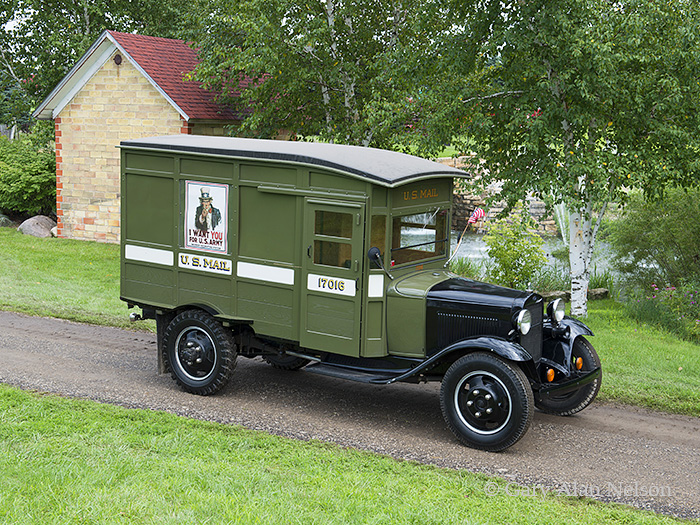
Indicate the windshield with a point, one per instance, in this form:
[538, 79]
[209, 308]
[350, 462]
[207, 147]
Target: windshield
[419, 236]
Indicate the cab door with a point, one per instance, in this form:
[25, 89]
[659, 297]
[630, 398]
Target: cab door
[331, 276]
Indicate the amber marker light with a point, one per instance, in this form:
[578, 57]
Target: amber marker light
[579, 363]
[550, 375]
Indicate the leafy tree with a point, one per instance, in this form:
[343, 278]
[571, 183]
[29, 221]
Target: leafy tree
[575, 101]
[329, 68]
[15, 102]
[40, 40]
[582, 99]
[659, 242]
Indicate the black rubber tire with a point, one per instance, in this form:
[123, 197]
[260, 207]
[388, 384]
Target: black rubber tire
[573, 402]
[465, 401]
[286, 362]
[195, 334]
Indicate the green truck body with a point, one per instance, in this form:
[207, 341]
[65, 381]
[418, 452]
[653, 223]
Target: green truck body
[317, 253]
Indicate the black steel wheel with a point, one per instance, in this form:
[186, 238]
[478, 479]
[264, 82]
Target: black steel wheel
[486, 401]
[199, 353]
[572, 402]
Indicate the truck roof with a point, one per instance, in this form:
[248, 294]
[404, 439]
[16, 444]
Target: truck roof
[387, 168]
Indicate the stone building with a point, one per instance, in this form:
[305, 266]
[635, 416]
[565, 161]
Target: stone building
[125, 87]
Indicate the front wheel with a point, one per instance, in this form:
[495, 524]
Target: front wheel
[199, 353]
[486, 401]
[572, 402]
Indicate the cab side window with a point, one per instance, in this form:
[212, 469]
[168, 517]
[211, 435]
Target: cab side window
[419, 236]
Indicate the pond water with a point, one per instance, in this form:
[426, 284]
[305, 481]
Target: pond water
[474, 248]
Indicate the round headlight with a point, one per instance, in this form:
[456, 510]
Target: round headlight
[556, 310]
[524, 321]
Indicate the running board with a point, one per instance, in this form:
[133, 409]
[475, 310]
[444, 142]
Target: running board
[346, 373]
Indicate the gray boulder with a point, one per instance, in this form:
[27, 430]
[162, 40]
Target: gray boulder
[38, 226]
[557, 294]
[5, 222]
[598, 293]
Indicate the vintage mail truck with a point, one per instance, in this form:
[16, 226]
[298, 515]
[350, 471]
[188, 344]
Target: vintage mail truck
[333, 259]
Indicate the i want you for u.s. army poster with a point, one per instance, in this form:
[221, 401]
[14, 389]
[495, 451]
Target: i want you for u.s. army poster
[206, 216]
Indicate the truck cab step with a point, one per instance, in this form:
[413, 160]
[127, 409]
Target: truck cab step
[345, 373]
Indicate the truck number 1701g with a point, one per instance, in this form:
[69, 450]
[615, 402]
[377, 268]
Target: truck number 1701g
[327, 284]
[331, 284]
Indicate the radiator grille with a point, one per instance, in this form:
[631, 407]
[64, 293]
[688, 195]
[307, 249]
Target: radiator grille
[455, 327]
[532, 342]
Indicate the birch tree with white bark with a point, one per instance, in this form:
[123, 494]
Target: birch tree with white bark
[582, 100]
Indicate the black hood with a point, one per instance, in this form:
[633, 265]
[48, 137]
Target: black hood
[460, 308]
[461, 290]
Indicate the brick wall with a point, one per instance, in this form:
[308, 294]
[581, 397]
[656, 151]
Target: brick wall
[116, 104]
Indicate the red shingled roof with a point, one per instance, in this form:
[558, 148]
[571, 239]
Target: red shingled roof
[167, 61]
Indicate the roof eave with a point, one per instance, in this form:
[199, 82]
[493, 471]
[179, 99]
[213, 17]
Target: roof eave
[46, 111]
[93, 59]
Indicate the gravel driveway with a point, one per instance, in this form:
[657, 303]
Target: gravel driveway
[613, 453]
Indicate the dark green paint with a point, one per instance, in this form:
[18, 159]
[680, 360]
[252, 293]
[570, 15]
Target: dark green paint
[271, 225]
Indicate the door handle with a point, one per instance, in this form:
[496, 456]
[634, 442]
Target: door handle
[308, 251]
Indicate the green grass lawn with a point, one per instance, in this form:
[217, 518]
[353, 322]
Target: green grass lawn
[644, 365]
[73, 280]
[66, 462]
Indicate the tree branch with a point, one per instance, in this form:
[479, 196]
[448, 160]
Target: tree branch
[494, 95]
[326, 104]
[8, 66]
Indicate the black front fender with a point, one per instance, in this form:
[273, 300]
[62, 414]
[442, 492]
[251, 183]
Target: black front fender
[505, 349]
[559, 341]
[576, 328]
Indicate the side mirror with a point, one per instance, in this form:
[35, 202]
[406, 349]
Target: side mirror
[375, 255]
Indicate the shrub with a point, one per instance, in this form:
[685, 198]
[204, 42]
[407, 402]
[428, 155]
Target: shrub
[468, 268]
[547, 277]
[516, 251]
[659, 242]
[551, 278]
[676, 308]
[27, 176]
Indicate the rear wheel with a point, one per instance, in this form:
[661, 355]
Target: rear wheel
[486, 401]
[199, 353]
[572, 402]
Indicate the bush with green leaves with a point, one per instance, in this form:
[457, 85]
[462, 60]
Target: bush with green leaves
[659, 242]
[676, 308]
[27, 175]
[516, 251]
